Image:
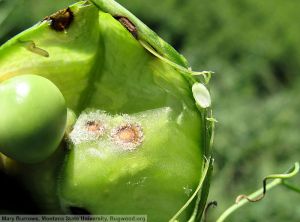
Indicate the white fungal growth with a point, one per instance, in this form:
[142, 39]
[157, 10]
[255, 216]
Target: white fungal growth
[128, 136]
[90, 126]
[119, 132]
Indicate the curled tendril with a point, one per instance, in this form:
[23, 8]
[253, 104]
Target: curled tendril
[205, 74]
[273, 176]
[259, 194]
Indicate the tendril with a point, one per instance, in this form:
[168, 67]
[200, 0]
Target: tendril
[259, 194]
[273, 176]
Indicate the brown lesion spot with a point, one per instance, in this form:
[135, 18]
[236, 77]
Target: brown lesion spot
[61, 20]
[128, 136]
[128, 25]
[94, 126]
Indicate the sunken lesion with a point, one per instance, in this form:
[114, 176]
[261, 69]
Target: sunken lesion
[98, 126]
[61, 20]
[128, 25]
[129, 136]
[89, 127]
[94, 126]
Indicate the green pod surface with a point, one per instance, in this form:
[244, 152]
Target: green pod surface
[140, 141]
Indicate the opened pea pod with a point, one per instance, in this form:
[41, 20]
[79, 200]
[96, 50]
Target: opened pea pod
[136, 139]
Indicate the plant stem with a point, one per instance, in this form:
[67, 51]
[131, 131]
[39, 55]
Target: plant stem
[291, 187]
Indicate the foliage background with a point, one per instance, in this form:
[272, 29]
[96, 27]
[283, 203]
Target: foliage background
[253, 47]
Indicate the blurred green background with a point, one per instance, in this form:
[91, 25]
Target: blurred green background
[253, 47]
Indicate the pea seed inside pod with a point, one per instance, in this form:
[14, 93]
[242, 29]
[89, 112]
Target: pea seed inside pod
[33, 118]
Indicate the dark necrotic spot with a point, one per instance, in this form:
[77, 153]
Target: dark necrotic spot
[79, 211]
[128, 25]
[93, 126]
[61, 20]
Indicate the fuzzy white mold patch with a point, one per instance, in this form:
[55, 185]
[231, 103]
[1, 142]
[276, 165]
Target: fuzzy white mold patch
[90, 126]
[128, 135]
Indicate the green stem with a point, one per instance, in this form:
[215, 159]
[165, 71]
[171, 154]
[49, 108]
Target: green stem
[291, 187]
[257, 195]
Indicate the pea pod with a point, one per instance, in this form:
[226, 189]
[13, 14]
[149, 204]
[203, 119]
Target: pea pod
[140, 141]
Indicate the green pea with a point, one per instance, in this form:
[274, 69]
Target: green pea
[33, 118]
